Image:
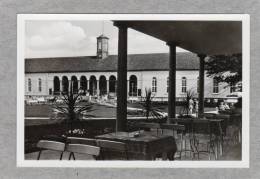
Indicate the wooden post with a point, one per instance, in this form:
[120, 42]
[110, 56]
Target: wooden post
[121, 118]
[201, 85]
[172, 81]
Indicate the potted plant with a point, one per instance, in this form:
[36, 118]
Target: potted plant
[72, 110]
[149, 110]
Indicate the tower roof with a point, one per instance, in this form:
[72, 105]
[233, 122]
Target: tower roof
[102, 36]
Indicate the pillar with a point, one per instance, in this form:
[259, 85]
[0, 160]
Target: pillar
[172, 81]
[201, 85]
[79, 84]
[98, 88]
[61, 87]
[121, 115]
[107, 86]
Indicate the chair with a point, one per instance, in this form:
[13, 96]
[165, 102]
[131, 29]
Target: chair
[187, 133]
[79, 140]
[112, 146]
[94, 151]
[203, 135]
[175, 128]
[146, 125]
[50, 145]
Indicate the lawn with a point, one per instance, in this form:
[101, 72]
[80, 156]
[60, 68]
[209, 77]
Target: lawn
[99, 111]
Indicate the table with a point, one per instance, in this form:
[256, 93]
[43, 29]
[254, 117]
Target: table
[146, 146]
[195, 126]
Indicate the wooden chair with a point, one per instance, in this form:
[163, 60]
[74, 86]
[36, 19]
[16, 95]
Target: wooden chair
[146, 125]
[175, 128]
[94, 151]
[50, 145]
[80, 140]
[112, 146]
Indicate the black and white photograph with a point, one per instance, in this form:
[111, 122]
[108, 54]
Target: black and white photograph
[133, 90]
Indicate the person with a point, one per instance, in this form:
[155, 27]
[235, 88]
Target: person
[191, 103]
[196, 107]
[226, 106]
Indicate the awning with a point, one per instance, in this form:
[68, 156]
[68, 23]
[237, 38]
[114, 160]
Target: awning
[201, 37]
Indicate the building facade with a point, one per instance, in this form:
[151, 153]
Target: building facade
[97, 75]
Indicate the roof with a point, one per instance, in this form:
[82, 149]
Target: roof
[209, 37]
[102, 36]
[135, 62]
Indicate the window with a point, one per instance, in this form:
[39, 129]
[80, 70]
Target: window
[198, 84]
[232, 88]
[40, 84]
[167, 84]
[183, 85]
[29, 85]
[99, 45]
[154, 85]
[215, 85]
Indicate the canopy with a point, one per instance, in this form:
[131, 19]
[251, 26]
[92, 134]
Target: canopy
[201, 37]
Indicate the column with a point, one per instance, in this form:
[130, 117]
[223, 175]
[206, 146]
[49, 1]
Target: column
[107, 87]
[88, 86]
[98, 88]
[172, 81]
[61, 86]
[79, 85]
[121, 117]
[69, 90]
[201, 85]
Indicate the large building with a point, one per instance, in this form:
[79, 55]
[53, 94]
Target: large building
[97, 75]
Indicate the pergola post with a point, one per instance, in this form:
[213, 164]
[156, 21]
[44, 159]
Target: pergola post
[201, 85]
[172, 81]
[121, 117]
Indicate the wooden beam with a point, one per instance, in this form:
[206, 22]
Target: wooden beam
[121, 118]
[201, 84]
[172, 81]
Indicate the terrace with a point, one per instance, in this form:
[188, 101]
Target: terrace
[216, 135]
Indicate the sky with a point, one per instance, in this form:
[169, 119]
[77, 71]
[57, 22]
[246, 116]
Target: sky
[78, 38]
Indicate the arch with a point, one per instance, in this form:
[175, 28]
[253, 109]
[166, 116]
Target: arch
[39, 84]
[74, 84]
[102, 85]
[154, 85]
[183, 84]
[65, 84]
[56, 85]
[83, 84]
[112, 84]
[133, 85]
[92, 85]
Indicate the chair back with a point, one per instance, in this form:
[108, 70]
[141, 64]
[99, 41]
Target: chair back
[51, 145]
[83, 149]
[79, 140]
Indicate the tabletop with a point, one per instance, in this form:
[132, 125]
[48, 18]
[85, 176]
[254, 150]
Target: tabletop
[145, 145]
